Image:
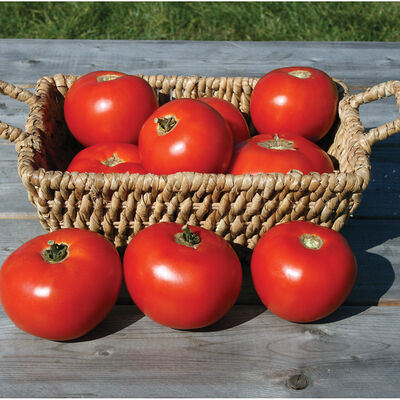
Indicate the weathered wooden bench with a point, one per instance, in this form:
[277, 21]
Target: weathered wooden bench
[355, 352]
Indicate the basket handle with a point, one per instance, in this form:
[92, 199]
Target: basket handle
[385, 89]
[7, 131]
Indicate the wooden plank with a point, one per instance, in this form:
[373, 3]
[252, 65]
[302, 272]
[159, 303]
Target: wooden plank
[249, 353]
[375, 243]
[359, 64]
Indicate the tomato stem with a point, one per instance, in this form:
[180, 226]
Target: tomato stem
[165, 124]
[107, 77]
[311, 241]
[300, 73]
[112, 161]
[277, 143]
[187, 237]
[56, 253]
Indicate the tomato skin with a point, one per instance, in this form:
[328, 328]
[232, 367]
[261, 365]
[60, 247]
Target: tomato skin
[301, 284]
[108, 111]
[92, 159]
[199, 142]
[179, 286]
[250, 157]
[285, 104]
[65, 300]
[232, 116]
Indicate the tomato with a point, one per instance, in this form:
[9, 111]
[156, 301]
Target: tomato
[108, 158]
[301, 271]
[182, 277]
[108, 106]
[296, 101]
[272, 153]
[185, 135]
[62, 284]
[232, 116]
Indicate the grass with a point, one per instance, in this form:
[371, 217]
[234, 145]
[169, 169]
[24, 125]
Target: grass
[333, 21]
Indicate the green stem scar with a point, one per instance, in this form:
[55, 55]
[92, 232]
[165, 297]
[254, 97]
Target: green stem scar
[165, 124]
[187, 238]
[112, 161]
[277, 143]
[107, 77]
[56, 253]
[301, 74]
[311, 241]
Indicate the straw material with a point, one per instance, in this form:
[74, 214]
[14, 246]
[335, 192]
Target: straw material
[239, 208]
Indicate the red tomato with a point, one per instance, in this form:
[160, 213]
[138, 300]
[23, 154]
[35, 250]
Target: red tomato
[61, 290]
[182, 278]
[295, 101]
[272, 153]
[301, 271]
[108, 106]
[108, 158]
[232, 116]
[185, 135]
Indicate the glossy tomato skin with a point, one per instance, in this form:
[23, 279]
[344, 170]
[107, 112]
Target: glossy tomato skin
[108, 158]
[113, 110]
[179, 286]
[199, 141]
[302, 284]
[259, 154]
[65, 300]
[283, 103]
[232, 116]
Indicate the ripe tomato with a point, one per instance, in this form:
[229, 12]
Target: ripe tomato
[62, 284]
[232, 116]
[182, 277]
[272, 153]
[296, 101]
[301, 271]
[185, 135]
[108, 158]
[108, 106]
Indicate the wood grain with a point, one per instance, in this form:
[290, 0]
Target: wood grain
[358, 64]
[249, 353]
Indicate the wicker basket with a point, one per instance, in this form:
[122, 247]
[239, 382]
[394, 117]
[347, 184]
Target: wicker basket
[239, 208]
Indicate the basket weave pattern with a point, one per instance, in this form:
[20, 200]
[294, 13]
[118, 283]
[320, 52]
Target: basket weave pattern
[239, 208]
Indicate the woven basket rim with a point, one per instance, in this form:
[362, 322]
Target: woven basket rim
[29, 173]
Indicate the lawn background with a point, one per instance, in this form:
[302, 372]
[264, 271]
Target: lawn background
[259, 21]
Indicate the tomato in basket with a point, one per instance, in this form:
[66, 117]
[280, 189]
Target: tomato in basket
[185, 135]
[232, 115]
[267, 153]
[108, 158]
[60, 285]
[295, 101]
[108, 106]
[184, 277]
[301, 271]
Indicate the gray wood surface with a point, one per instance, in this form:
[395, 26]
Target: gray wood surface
[358, 64]
[250, 353]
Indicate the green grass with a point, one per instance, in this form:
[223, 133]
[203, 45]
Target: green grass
[334, 21]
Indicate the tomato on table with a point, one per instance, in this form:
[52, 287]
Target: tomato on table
[60, 285]
[232, 116]
[295, 101]
[108, 158]
[185, 135]
[184, 277]
[303, 272]
[267, 153]
[108, 106]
